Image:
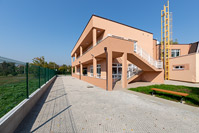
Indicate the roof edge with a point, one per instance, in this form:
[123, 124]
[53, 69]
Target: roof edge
[121, 23]
[108, 20]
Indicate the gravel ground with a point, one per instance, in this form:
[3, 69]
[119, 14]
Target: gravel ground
[72, 105]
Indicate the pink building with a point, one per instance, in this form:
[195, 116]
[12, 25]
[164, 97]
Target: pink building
[108, 51]
[184, 61]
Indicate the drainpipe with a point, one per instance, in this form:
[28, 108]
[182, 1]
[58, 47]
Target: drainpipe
[80, 70]
[105, 49]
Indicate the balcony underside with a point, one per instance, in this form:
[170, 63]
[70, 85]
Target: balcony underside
[117, 47]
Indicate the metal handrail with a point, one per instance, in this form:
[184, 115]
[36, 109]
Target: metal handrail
[147, 57]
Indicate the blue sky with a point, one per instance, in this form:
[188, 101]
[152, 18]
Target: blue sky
[50, 28]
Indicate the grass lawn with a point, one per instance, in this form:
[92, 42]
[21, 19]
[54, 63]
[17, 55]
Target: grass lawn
[13, 90]
[191, 99]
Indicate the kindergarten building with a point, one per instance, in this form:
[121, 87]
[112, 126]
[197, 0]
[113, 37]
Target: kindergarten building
[108, 52]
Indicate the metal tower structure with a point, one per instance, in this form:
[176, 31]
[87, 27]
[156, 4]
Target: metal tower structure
[171, 28]
[165, 39]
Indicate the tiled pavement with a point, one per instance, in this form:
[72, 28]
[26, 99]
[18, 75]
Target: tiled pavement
[71, 106]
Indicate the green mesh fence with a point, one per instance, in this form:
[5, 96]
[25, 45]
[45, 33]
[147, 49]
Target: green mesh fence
[42, 75]
[18, 80]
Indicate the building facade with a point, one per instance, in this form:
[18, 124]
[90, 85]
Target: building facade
[108, 51]
[184, 61]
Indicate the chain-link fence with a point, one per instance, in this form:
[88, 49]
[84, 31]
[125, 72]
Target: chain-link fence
[18, 80]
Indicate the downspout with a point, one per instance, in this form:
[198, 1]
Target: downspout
[105, 49]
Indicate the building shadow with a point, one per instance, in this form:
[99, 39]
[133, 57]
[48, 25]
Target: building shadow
[26, 125]
[51, 118]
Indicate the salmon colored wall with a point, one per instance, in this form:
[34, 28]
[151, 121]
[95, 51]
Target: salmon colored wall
[145, 39]
[95, 81]
[154, 77]
[84, 34]
[197, 67]
[154, 49]
[189, 74]
[111, 43]
[75, 75]
[184, 49]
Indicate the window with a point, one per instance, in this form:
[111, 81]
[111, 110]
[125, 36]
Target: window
[135, 46]
[85, 71]
[175, 52]
[91, 70]
[116, 71]
[99, 70]
[178, 67]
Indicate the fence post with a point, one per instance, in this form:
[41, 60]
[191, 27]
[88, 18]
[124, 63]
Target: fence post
[48, 73]
[27, 87]
[45, 74]
[39, 77]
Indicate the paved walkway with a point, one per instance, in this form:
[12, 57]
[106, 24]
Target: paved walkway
[72, 105]
[171, 82]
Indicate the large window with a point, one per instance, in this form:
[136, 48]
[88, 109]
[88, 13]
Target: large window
[98, 70]
[175, 52]
[116, 71]
[91, 70]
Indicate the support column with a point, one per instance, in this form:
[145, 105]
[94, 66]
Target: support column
[75, 69]
[71, 70]
[94, 67]
[94, 37]
[124, 70]
[81, 69]
[75, 56]
[81, 50]
[110, 79]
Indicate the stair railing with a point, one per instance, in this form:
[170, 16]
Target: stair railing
[156, 63]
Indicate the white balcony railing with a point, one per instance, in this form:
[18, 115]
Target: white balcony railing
[132, 71]
[137, 49]
[147, 57]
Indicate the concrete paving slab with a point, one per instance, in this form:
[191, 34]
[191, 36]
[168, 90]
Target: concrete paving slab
[172, 82]
[94, 110]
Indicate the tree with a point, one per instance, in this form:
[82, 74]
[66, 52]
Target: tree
[64, 69]
[174, 42]
[53, 65]
[7, 68]
[20, 69]
[40, 61]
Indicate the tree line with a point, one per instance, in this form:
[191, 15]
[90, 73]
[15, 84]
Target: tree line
[7, 68]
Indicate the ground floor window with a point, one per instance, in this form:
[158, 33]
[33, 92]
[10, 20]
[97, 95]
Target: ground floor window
[99, 70]
[85, 71]
[91, 70]
[116, 71]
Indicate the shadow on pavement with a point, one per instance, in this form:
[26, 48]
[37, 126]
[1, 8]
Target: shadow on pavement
[27, 123]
